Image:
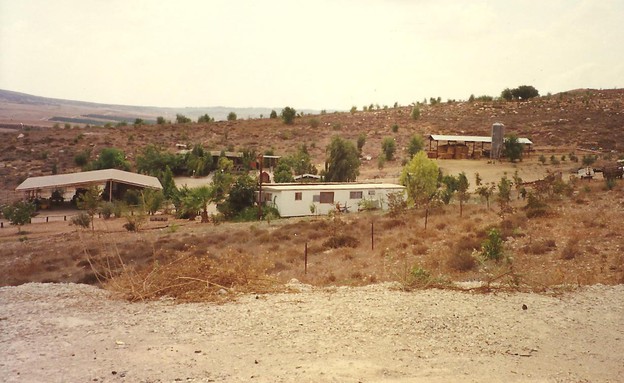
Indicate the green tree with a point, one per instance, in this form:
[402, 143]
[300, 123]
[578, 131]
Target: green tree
[160, 120]
[283, 173]
[19, 213]
[342, 163]
[111, 158]
[420, 178]
[416, 144]
[138, 122]
[205, 119]
[182, 119]
[486, 192]
[90, 201]
[152, 200]
[198, 199]
[415, 112]
[152, 160]
[462, 191]
[451, 184]
[273, 114]
[492, 247]
[512, 148]
[388, 147]
[288, 115]
[353, 109]
[524, 92]
[504, 194]
[168, 183]
[506, 94]
[231, 116]
[361, 141]
[82, 159]
[240, 196]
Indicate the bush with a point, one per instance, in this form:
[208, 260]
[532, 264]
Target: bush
[571, 250]
[107, 209]
[341, 240]
[415, 113]
[462, 261]
[492, 247]
[288, 115]
[388, 146]
[82, 220]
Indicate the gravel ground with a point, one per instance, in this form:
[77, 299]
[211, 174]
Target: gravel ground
[77, 333]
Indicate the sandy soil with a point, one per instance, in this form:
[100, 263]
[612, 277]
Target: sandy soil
[75, 333]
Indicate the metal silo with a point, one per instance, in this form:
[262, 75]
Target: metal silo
[498, 135]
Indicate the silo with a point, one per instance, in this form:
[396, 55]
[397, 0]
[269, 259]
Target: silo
[498, 135]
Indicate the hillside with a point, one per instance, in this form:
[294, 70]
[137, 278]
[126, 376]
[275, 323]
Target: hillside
[566, 122]
[20, 108]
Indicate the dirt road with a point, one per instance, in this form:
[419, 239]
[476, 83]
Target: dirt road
[75, 333]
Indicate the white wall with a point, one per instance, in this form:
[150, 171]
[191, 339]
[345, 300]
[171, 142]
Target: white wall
[289, 207]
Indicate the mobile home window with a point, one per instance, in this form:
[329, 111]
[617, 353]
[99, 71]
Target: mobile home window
[371, 192]
[355, 195]
[316, 198]
[298, 196]
[327, 197]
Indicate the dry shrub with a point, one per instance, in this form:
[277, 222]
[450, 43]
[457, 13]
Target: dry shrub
[461, 261]
[194, 279]
[460, 258]
[540, 247]
[571, 249]
[391, 223]
[341, 240]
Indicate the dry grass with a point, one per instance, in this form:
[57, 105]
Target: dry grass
[206, 262]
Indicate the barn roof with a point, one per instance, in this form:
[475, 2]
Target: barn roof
[329, 186]
[87, 178]
[442, 137]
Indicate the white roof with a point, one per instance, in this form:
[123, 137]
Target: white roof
[441, 137]
[329, 186]
[85, 178]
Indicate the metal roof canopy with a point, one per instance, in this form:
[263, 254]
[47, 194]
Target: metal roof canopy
[90, 177]
[441, 137]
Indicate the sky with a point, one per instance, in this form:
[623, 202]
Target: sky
[321, 54]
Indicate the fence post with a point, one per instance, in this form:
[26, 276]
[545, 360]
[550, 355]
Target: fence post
[47, 219]
[1, 225]
[372, 235]
[64, 218]
[305, 259]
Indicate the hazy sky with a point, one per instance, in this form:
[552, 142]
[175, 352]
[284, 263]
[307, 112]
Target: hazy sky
[321, 54]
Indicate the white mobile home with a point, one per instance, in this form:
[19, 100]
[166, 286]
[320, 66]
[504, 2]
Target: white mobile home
[293, 200]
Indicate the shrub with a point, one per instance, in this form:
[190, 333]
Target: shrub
[82, 220]
[388, 146]
[570, 250]
[107, 209]
[395, 128]
[462, 261]
[288, 115]
[492, 247]
[19, 213]
[341, 240]
[415, 113]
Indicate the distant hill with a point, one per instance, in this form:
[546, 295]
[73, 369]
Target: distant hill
[21, 108]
